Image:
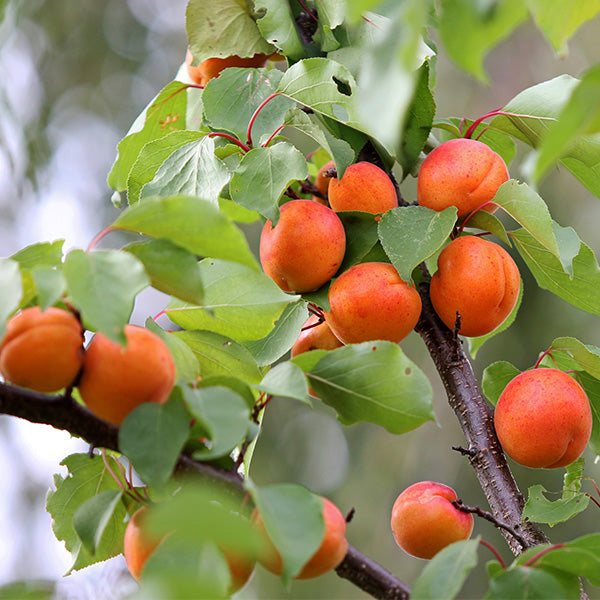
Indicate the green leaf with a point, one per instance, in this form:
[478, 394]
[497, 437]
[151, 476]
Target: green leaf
[224, 414]
[557, 29]
[285, 380]
[541, 510]
[162, 116]
[50, 284]
[28, 590]
[92, 517]
[43, 254]
[152, 156]
[480, 29]
[496, 377]
[220, 355]
[487, 222]
[282, 337]
[587, 357]
[443, 576]
[12, 290]
[374, 382]
[152, 436]
[361, 236]
[278, 27]
[411, 234]
[525, 583]
[572, 479]
[293, 518]
[103, 285]
[87, 476]
[222, 29]
[171, 269]
[238, 302]
[580, 289]
[264, 174]
[192, 170]
[192, 223]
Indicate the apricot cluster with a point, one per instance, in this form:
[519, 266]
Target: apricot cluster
[44, 351]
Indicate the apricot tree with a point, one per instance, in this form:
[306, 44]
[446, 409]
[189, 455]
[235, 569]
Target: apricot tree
[341, 98]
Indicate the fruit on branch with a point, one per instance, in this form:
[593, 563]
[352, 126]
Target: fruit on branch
[322, 180]
[462, 172]
[365, 187]
[543, 419]
[116, 379]
[306, 247]
[240, 568]
[369, 302]
[479, 280]
[138, 543]
[328, 556]
[42, 351]
[212, 67]
[424, 520]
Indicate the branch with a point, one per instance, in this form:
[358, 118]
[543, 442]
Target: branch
[62, 412]
[477, 422]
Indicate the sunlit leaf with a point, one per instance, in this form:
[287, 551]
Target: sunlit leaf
[540, 509]
[496, 377]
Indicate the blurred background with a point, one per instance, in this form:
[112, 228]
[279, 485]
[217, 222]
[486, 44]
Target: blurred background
[73, 77]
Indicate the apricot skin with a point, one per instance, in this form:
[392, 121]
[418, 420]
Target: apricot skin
[306, 247]
[328, 556]
[137, 544]
[42, 351]
[369, 302]
[315, 337]
[116, 378]
[212, 67]
[365, 187]
[424, 521]
[480, 280]
[543, 419]
[462, 172]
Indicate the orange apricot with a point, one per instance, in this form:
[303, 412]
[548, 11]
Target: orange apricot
[42, 351]
[328, 556]
[365, 187]
[543, 419]
[138, 544]
[370, 301]
[212, 67]
[477, 279]
[116, 379]
[424, 520]
[462, 172]
[322, 181]
[315, 336]
[306, 247]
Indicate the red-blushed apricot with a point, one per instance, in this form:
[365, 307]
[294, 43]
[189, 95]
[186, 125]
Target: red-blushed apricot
[42, 351]
[543, 419]
[116, 379]
[462, 172]
[322, 181]
[306, 247]
[328, 556]
[424, 520]
[138, 544]
[240, 568]
[212, 67]
[370, 301]
[365, 187]
[479, 280]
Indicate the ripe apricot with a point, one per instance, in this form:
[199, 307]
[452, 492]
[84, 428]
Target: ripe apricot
[462, 172]
[116, 378]
[212, 67]
[365, 187]
[42, 351]
[479, 280]
[322, 181]
[138, 544]
[328, 556]
[315, 336]
[424, 520]
[543, 419]
[306, 247]
[370, 301]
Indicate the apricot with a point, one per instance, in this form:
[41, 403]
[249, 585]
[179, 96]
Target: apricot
[315, 336]
[370, 301]
[462, 172]
[479, 280]
[543, 419]
[42, 351]
[138, 544]
[328, 556]
[306, 247]
[212, 67]
[322, 181]
[365, 187]
[116, 379]
[424, 520]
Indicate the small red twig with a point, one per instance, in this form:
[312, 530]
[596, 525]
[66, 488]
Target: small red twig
[547, 352]
[98, 237]
[310, 12]
[254, 115]
[539, 555]
[494, 552]
[230, 138]
[495, 113]
[273, 135]
[594, 484]
[468, 217]
[593, 500]
[313, 309]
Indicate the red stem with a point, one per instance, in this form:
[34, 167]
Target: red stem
[539, 555]
[255, 114]
[274, 134]
[231, 138]
[475, 123]
[547, 352]
[473, 212]
[98, 237]
[594, 484]
[494, 552]
[301, 3]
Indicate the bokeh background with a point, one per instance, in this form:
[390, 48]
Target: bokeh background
[73, 76]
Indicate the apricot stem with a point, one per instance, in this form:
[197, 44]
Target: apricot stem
[273, 135]
[539, 555]
[593, 500]
[547, 352]
[593, 483]
[254, 115]
[308, 10]
[313, 309]
[494, 552]
[98, 237]
[231, 138]
[493, 113]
